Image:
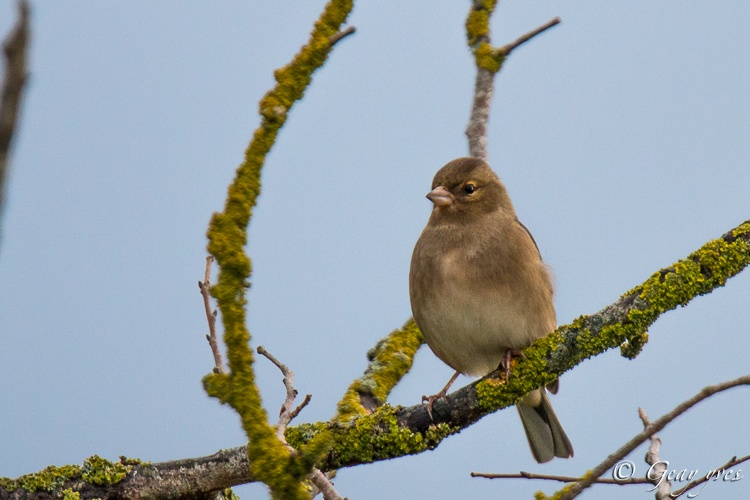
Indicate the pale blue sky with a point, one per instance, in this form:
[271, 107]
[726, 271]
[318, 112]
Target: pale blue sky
[622, 136]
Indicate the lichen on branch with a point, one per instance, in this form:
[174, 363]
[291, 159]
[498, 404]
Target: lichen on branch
[270, 461]
[391, 432]
[390, 360]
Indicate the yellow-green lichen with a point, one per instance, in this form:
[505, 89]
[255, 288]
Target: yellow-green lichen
[301, 434]
[390, 360]
[102, 472]
[477, 26]
[633, 346]
[370, 438]
[478, 22]
[132, 461]
[230, 495]
[51, 479]
[270, 461]
[478, 36]
[69, 494]
[701, 272]
[539, 495]
[526, 375]
[704, 270]
[489, 58]
[376, 437]
[741, 230]
[312, 452]
[8, 484]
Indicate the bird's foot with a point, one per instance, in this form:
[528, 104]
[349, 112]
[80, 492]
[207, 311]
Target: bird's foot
[509, 355]
[431, 399]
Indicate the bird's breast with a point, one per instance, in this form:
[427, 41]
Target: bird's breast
[469, 320]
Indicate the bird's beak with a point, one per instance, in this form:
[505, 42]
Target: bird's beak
[440, 196]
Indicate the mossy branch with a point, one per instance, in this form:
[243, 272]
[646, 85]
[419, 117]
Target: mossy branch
[489, 60]
[393, 432]
[270, 461]
[390, 360]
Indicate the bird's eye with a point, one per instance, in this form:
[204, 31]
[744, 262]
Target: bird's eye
[470, 188]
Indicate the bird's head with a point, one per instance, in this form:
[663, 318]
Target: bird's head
[467, 187]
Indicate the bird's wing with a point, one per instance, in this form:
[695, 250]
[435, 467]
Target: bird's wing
[530, 236]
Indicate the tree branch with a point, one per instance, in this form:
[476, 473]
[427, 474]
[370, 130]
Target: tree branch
[287, 414]
[488, 60]
[389, 361]
[559, 479]
[715, 474]
[342, 34]
[269, 458]
[506, 49]
[658, 467]
[205, 288]
[622, 324]
[393, 432]
[15, 47]
[650, 430]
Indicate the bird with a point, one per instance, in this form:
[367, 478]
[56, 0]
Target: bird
[480, 291]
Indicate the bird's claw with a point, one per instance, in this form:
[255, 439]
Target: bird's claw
[430, 400]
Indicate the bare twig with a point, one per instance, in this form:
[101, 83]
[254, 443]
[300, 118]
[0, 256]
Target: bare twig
[506, 49]
[319, 480]
[562, 479]
[342, 34]
[714, 474]
[323, 484]
[205, 287]
[299, 408]
[287, 413]
[488, 65]
[649, 431]
[658, 467]
[15, 48]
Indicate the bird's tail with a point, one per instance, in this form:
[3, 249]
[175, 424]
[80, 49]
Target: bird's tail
[547, 439]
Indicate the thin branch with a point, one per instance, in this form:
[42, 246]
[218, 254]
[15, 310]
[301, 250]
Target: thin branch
[205, 288]
[287, 413]
[507, 49]
[657, 467]
[649, 431]
[488, 60]
[321, 482]
[227, 239]
[476, 130]
[324, 486]
[714, 474]
[561, 479]
[342, 34]
[15, 47]
[299, 408]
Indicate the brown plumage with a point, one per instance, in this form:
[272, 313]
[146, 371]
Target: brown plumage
[480, 291]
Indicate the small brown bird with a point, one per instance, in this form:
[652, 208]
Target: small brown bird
[480, 291]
